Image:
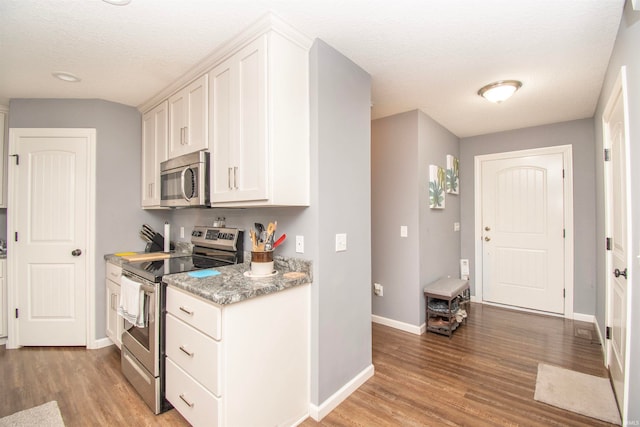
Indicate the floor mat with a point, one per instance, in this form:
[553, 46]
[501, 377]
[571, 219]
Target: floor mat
[577, 392]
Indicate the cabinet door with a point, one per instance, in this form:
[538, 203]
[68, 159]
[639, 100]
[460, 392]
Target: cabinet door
[114, 331]
[3, 298]
[251, 154]
[3, 161]
[239, 131]
[188, 118]
[154, 151]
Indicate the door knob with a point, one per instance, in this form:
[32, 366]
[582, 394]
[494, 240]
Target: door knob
[619, 273]
[76, 252]
[487, 228]
[487, 238]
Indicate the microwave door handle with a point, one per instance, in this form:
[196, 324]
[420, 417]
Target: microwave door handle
[184, 171]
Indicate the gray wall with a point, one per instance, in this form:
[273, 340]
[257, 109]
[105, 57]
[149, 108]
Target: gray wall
[439, 243]
[403, 147]
[340, 203]
[625, 52]
[579, 134]
[118, 213]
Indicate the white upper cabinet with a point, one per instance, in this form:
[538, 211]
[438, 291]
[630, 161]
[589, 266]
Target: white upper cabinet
[248, 104]
[237, 118]
[155, 128]
[188, 114]
[3, 158]
[259, 121]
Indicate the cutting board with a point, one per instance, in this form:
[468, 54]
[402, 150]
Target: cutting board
[151, 256]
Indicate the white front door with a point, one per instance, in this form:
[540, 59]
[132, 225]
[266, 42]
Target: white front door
[49, 214]
[617, 259]
[523, 232]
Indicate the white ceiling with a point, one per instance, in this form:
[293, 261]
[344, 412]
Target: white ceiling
[427, 54]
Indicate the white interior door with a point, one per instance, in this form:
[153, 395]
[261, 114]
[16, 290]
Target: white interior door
[50, 234]
[523, 232]
[617, 259]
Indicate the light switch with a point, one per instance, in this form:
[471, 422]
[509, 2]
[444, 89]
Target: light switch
[300, 244]
[404, 232]
[456, 226]
[341, 242]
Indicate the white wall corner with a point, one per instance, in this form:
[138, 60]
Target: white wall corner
[319, 412]
[407, 327]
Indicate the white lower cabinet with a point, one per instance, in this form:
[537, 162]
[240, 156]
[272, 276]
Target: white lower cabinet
[3, 298]
[115, 323]
[242, 364]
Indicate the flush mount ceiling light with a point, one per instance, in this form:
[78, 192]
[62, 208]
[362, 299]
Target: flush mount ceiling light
[500, 90]
[67, 77]
[118, 2]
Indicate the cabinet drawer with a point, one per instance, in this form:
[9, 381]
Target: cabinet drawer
[201, 315]
[114, 272]
[195, 353]
[193, 401]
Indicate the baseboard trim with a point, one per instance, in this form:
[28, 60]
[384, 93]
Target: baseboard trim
[417, 330]
[584, 317]
[100, 343]
[319, 412]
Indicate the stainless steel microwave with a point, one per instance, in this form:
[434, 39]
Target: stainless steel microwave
[184, 180]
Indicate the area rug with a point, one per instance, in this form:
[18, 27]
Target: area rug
[47, 415]
[577, 392]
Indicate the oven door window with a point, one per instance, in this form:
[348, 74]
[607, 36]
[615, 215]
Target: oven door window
[142, 334]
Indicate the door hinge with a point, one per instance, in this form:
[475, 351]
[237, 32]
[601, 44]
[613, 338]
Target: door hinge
[17, 156]
[607, 332]
[607, 154]
[564, 293]
[17, 314]
[608, 243]
[15, 236]
[562, 173]
[564, 233]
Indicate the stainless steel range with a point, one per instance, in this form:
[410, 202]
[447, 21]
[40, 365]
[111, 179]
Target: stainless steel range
[143, 348]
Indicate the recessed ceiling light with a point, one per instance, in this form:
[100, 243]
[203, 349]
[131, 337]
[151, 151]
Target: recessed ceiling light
[118, 2]
[67, 77]
[499, 91]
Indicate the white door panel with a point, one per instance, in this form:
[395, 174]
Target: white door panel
[51, 217]
[618, 257]
[523, 238]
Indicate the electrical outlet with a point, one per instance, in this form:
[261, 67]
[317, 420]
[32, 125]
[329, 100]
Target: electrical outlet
[182, 232]
[378, 289]
[456, 226]
[341, 242]
[404, 232]
[300, 244]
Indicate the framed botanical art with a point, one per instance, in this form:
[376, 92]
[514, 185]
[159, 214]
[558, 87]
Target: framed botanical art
[453, 182]
[437, 184]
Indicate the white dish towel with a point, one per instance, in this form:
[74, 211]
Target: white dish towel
[131, 302]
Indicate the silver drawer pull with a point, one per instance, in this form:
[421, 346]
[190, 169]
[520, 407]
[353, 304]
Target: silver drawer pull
[189, 404]
[185, 310]
[185, 351]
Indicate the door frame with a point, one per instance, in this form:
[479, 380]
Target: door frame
[620, 86]
[12, 262]
[566, 151]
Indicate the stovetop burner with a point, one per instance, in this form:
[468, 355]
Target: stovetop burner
[215, 247]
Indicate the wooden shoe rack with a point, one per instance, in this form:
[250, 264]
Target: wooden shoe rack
[448, 290]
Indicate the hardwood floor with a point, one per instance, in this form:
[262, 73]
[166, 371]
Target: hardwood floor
[484, 376]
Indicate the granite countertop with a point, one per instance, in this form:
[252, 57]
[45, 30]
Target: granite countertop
[232, 285]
